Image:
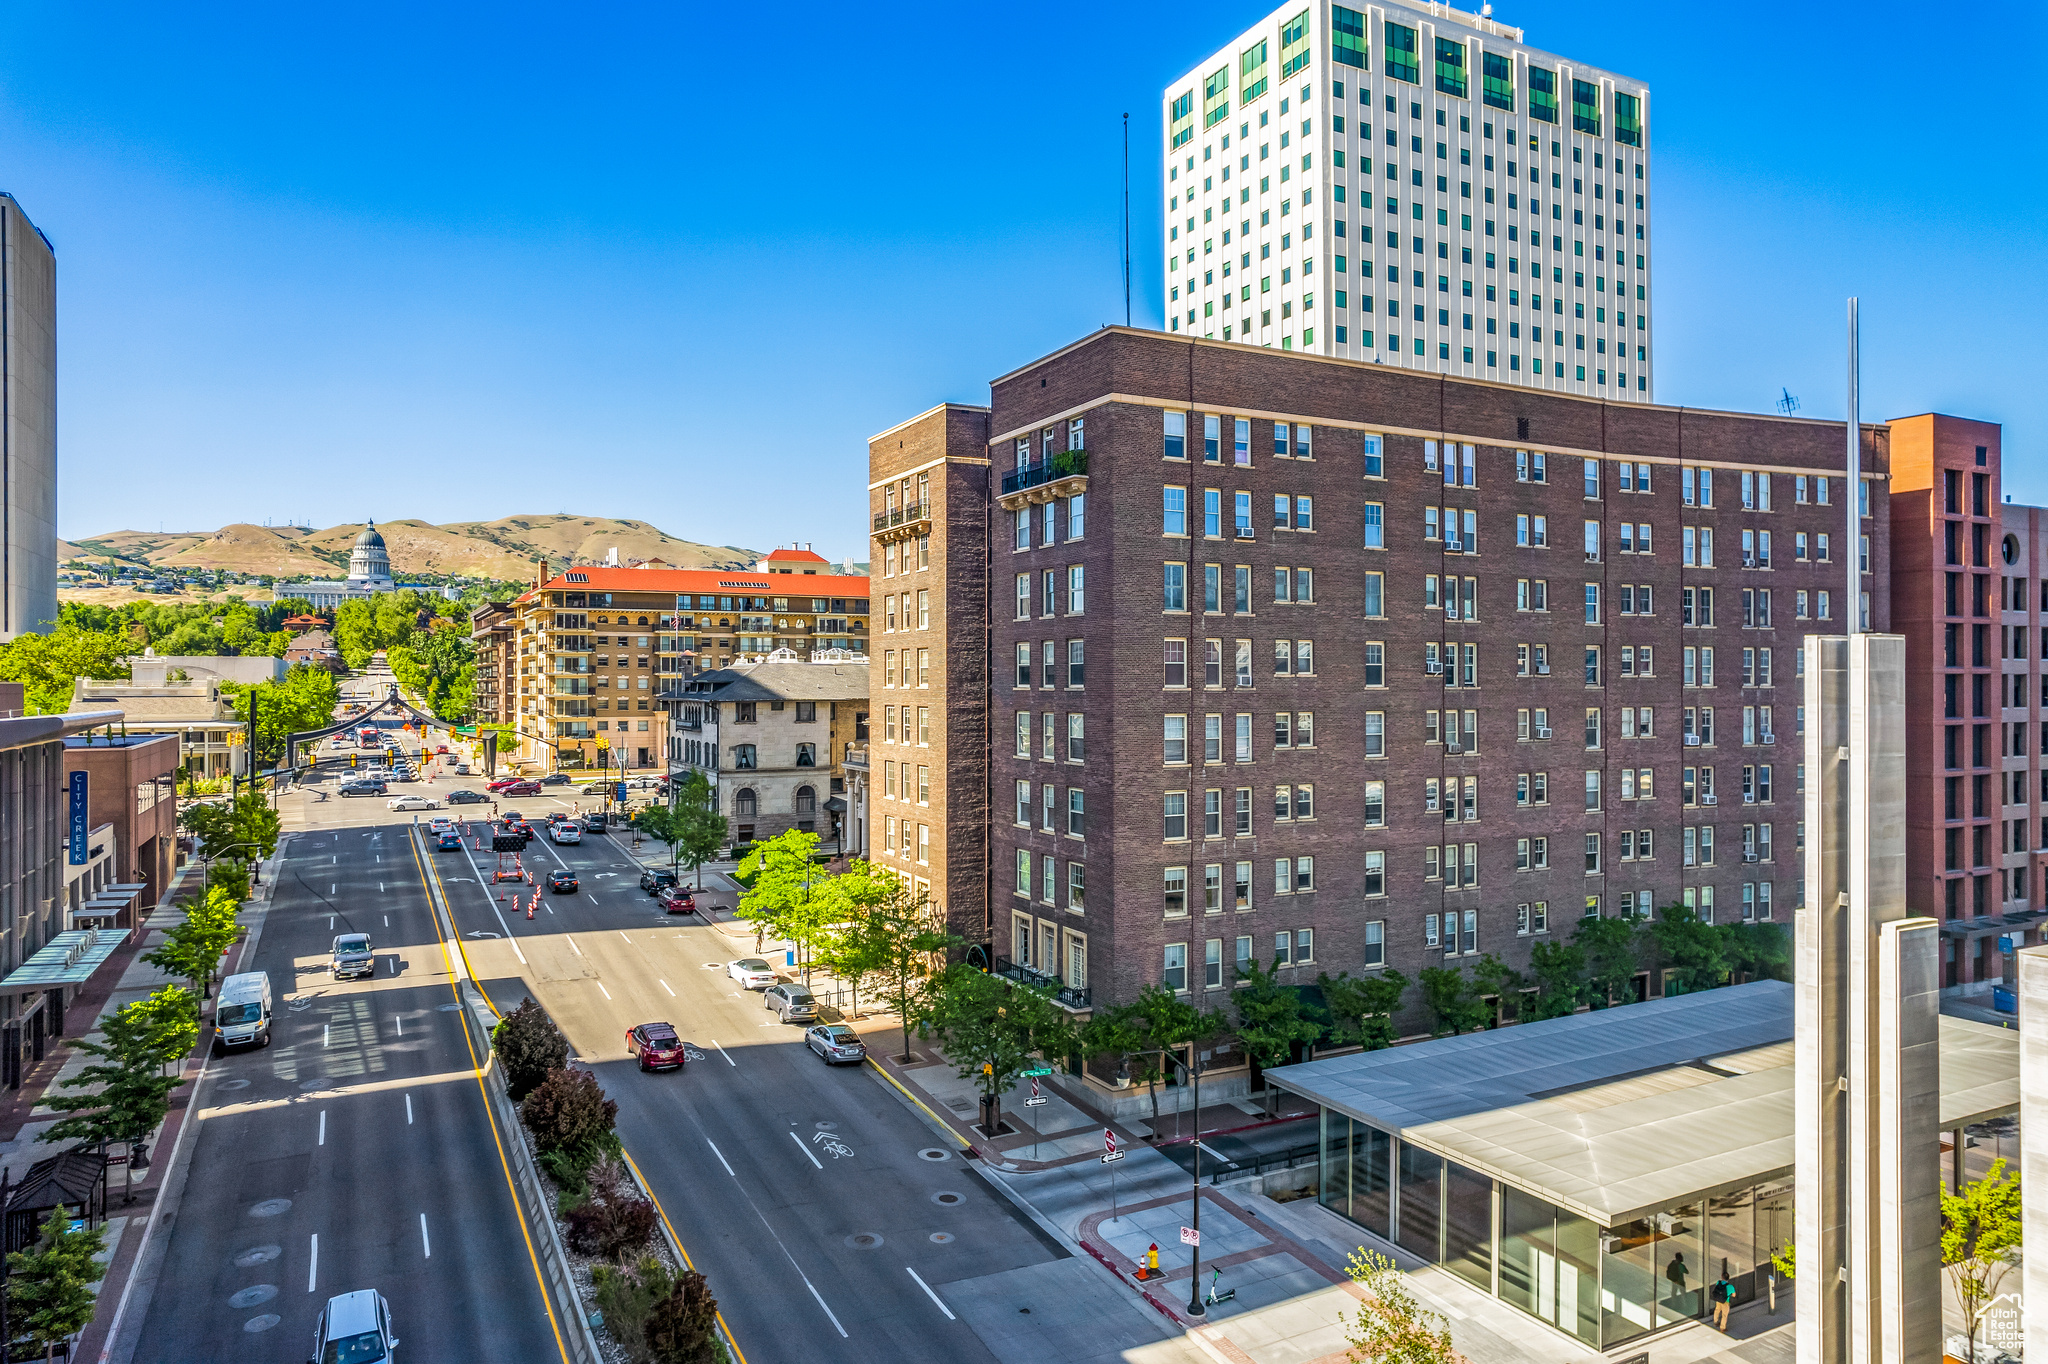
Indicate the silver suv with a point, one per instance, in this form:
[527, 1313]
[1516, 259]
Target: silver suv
[352, 956]
[792, 1003]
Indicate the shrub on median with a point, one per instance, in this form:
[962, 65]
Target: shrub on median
[568, 1113]
[614, 1218]
[683, 1327]
[529, 1045]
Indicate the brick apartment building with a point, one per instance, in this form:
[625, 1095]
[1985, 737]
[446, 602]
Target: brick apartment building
[1969, 575]
[1342, 666]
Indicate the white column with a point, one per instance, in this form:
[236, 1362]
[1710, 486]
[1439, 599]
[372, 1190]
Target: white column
[2033, 993]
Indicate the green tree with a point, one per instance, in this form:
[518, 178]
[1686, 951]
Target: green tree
[1758, 951]
[1452, 1004]
[1143, 1031]
[683, 1327]
[130, 1094]
[1391, 1326]
[529, 1045]
[1980, 1240]
[48, 665]
[49, 1291]
[1559, 971]
[992, 1030]
[905, 938]
[1362, 1010]
[1686, 948]
[698, 827]
[192, 950]
[304, 700]
[1270, 1019]
[1492, 976]
[1611, 948]
[783, 871]
[862, 937]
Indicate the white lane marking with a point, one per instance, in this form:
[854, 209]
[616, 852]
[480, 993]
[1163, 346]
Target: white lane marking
[929, 1294]
[428, 1247]
[601, 990]
[593, 898]
[323, 1129]
[720, 1154]
[408, 1110]
[398, 1021]
[380, 887]
[622, 933]
[330, 918]
[313, 1265]
[387, 921]
[803, 1148]
[335, 859]
[821, 1302]
[393, 959]
[664, 985]
[573, 947]
[326, 1034]
[722, 1052]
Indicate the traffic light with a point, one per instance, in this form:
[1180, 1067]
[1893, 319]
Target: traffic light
[351, 760]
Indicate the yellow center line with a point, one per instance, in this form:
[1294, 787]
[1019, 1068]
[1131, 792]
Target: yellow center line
[688, 1264]
[496, 1140]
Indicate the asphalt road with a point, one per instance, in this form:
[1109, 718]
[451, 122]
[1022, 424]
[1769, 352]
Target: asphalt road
[800, 1191]
[356, 1151]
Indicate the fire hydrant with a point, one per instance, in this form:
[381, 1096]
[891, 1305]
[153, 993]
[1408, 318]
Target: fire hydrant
[1150, 1269]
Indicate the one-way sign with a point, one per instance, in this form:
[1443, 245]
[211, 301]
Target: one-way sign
[1109, 1156]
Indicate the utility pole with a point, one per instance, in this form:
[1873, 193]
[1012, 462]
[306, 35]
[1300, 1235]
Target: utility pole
[1854, 605]
[1195, 1307]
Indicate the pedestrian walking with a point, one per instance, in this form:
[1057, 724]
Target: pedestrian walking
[1724, 1299]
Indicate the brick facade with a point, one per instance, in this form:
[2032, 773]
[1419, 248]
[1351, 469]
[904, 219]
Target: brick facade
[1367, 897]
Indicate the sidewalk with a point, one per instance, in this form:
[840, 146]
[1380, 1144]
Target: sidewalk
[1285, 1257]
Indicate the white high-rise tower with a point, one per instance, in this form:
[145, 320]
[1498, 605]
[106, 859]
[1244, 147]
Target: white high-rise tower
[1413, 186]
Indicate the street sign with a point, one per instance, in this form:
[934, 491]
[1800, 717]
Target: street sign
[1190, 1237]
[1113, 1155]
[1042, 1070]
[1033, 1102]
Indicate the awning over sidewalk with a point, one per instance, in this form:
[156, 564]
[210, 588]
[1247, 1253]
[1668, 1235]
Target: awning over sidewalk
[70, 958]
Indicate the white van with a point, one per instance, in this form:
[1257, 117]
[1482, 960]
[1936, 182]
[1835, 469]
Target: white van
[241, 1015]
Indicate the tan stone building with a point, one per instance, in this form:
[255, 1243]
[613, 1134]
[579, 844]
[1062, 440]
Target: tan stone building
[774, 739]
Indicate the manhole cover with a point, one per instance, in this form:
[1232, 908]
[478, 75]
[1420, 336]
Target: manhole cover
[262, 1323]
[864, 1240]
[234, 1084]
[270, 1207]
[940, 1238]
[932, 1153]
[826, 1126]
[947, 1200]
[451, 1008]
[257, 1255]
[252, 1295]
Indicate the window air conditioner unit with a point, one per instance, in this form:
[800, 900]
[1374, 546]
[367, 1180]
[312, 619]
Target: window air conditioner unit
[1692, 741]
[1247, 533]
[1543, 731]
[1749, 857]
[1770, 738]
[1710, 799]
[1543, 670]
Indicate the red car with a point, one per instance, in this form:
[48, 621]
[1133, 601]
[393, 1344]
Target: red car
[655, 1046]
[520, 788]
[677, 899]
[502, 782]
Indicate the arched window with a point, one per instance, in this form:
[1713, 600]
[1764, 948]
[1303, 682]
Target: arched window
[806, 755]
[806, 800]
[743, 802]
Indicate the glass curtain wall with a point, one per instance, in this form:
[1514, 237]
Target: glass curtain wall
[1356, 1172]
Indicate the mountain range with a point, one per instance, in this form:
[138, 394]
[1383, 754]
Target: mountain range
[508, 548]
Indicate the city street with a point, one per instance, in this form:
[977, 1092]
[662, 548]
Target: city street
[356, 1151]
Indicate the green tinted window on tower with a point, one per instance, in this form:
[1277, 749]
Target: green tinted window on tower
[1294, 45]
[1402, 61]
[1216, 97]
[1585, 107]
[1499, 90]
[1347, 37]
[1542, 94]
[1181, 115]
[1628, 119]
[1450, 67]
[1251, 73]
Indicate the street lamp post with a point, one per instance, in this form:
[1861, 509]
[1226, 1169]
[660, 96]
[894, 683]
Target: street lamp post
[1193, 1066]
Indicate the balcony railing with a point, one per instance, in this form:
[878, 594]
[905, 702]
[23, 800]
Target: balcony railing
[1063, 464]
[903, 516]
[1069, 996]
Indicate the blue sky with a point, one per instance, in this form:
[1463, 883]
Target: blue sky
[678, 264]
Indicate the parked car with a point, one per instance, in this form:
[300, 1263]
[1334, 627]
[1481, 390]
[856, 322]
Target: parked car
[241, 1014]
[362, 786]
[467, 798]
[677, 899]
[352, 957]
[595, 823]
[652, 879]
[792, 1003]
[751, 972]
[655, 1046]
[562, 882]
[836, 1042]
[354, 1328]
[449, 841]
[412, 803]
[520, 788]
[565, 832]
[555, 779]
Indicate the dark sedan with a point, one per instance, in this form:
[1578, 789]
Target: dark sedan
[555, 779]
[465, 798]
[361, 788]
[562, 882]
[655, 1046]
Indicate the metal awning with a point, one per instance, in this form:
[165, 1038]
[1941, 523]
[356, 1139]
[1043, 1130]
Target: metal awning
[1620, 1112]
[70, 958]
[136, 886]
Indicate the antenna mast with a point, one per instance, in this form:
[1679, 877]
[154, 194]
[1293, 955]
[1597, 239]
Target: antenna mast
[1127, 220]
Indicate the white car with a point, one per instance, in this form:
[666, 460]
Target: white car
[440, 824]
[565, 831]
[412, 803]
[751, 972]
[355, 1328]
